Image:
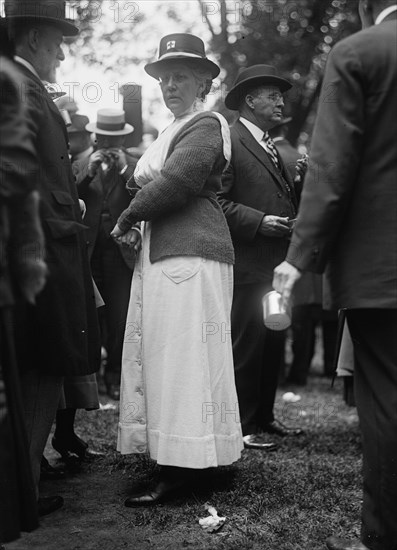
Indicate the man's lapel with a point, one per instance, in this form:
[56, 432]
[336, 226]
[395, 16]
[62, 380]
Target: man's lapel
[44, 97]
[250, 143]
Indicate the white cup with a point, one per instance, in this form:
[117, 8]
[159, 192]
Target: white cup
[274, 316]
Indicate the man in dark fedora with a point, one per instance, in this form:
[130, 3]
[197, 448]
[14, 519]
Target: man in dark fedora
[80, 143]
[101, 180]
[258, 199]
[348, 225]
[58, 335]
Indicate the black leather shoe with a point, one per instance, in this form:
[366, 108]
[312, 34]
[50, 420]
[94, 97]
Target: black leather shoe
[48, 472]
[163, 491]
[256, 441]
[335, 543]
[74, 450]
[47, 505]
[277, 428]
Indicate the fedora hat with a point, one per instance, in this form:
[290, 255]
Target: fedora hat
[181, 46]
[40, 11]
[110, 122]
[252, 77]
[79, 123]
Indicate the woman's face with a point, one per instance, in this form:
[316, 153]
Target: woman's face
[179, 87]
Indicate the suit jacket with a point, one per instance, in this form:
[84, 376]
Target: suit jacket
[348, 212]
[93, 191]
[60, 334]
[252, 188]
[289, 155]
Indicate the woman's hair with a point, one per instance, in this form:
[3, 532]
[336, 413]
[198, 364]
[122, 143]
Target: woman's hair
[202, 76]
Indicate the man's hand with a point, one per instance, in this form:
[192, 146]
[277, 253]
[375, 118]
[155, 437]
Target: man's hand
[274, 226]
[284, 279]
[119, 157]
[95, 161]
[301, 168]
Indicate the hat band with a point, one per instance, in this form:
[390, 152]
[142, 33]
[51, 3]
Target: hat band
[109, 126]
[174, 54]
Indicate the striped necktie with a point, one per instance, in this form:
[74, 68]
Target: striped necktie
[271, 149]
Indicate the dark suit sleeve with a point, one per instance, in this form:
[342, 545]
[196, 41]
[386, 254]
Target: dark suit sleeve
[18, 164]
[243, 220]
[335, 157]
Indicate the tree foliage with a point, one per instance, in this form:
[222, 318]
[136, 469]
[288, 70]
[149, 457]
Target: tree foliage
[293, 35]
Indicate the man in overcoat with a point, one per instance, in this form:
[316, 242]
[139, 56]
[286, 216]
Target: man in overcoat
[348, 222]
[258, 200]
[59, 335]
[101, 181]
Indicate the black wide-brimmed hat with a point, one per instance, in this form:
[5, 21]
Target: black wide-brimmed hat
[52, 12]
[251, 77]
[79, 123]
[183, 47]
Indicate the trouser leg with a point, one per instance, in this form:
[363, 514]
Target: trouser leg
[303, 340]
[41, 394]
[330, 329]
[375, 379]
[257, 354]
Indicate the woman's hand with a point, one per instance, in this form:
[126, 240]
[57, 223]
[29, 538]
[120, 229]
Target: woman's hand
[131, 238]
[116, 232]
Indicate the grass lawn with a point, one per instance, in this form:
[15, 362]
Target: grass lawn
[291, 499]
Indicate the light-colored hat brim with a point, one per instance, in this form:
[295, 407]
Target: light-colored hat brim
[92, 127]
[154, 69]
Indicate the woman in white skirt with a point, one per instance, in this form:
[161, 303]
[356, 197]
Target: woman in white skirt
[178, 397]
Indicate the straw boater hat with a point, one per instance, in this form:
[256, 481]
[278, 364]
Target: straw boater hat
[110, 122]
[40, 11]
[252, 77]
[181, 46]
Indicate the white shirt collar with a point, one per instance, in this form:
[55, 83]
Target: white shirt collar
[383, 14]
[26, 64]
[253, 129]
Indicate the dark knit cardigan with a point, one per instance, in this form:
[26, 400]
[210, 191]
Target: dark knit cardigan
[181, 203]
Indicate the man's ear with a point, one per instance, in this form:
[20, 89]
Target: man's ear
[34, 39]
[249, 101]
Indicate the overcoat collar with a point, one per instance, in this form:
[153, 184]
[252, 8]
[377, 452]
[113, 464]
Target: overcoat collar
[44, 95]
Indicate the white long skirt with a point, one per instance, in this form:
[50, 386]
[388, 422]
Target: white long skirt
[178, 396]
